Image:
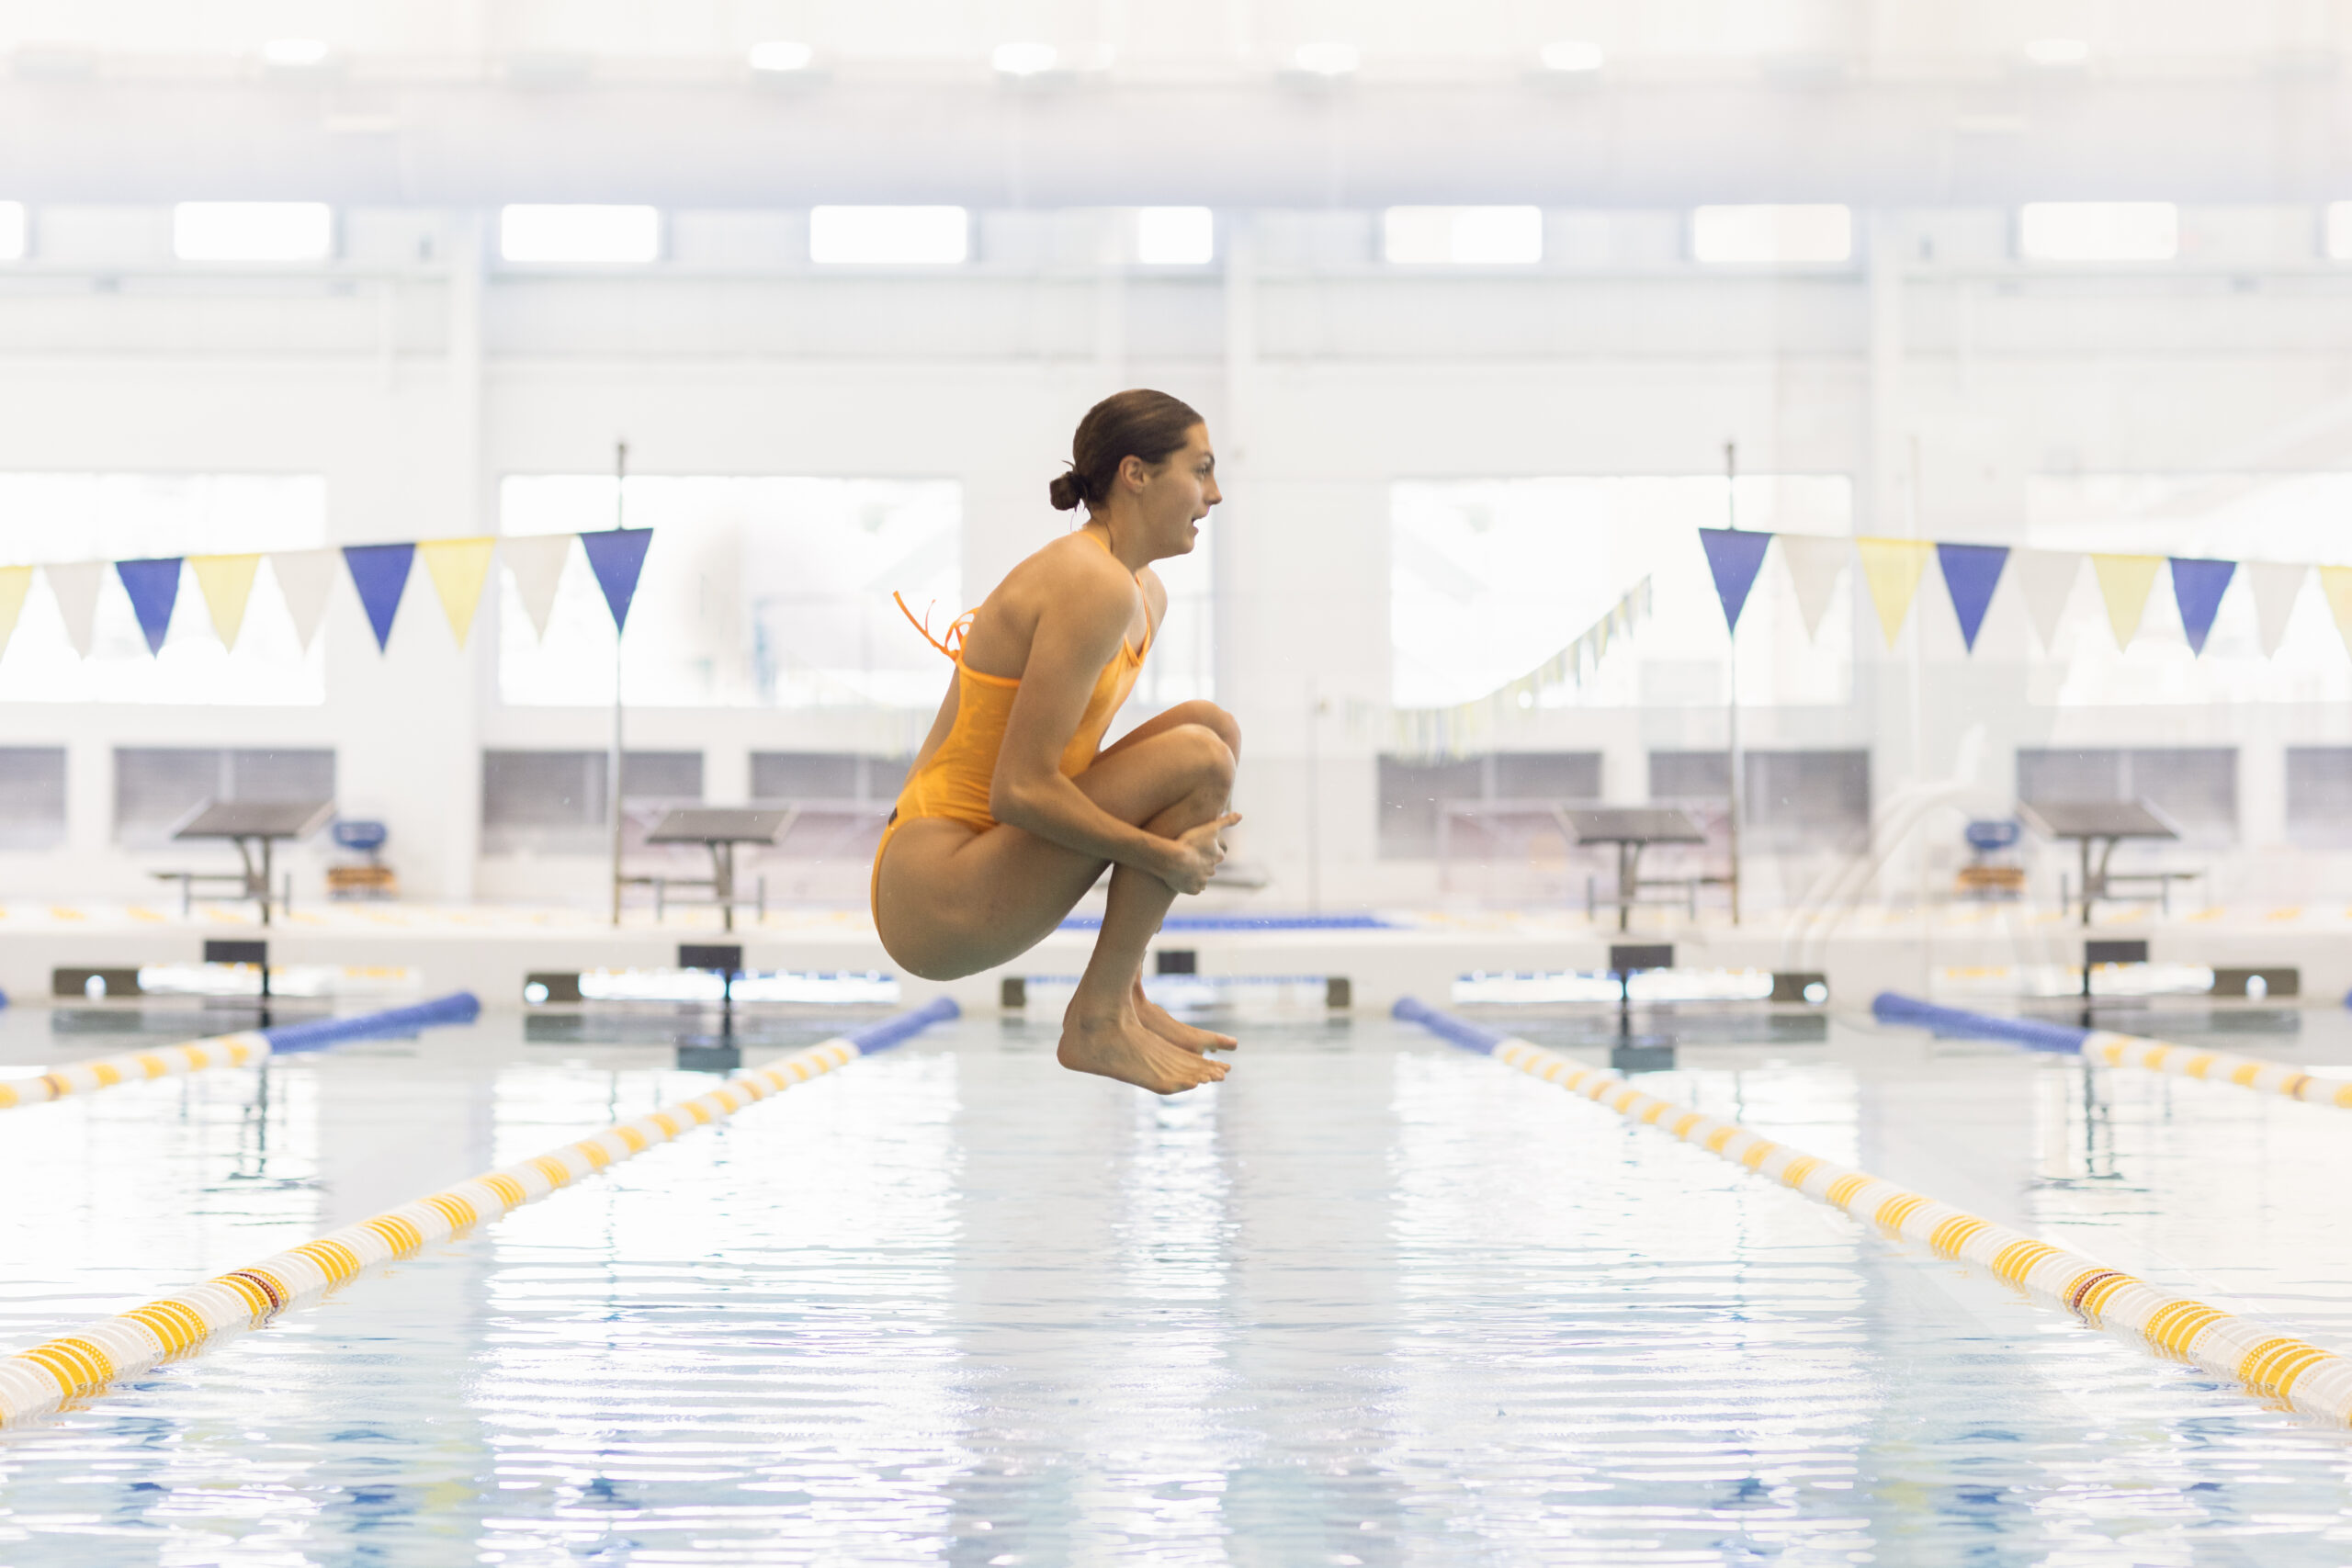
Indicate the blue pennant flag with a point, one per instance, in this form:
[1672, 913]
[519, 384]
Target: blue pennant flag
[1735, 556]
[1970, 573]
[155, 588]
[2197, 588]
[380, 574]
[616, 555]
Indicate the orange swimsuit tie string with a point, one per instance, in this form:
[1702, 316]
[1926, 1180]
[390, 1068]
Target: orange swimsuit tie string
[952, 645]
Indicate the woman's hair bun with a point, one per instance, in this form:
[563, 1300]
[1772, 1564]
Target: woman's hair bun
[1067, 492]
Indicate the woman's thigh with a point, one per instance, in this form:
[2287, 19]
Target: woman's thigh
[950, 902]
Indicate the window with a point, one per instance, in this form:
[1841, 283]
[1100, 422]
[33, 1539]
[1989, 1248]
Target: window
[757, 592]
[2318, 795]
[668, 776]
[252, 230]
[2195, 786]
[1490, 578]
[1411, 793]
[934, 236]
[13, 231]
[32, 797]
[579, 233]
[2098, 231]
[1175, 236]
[154, 787]
[827, 775]
[544, 800]
[1689, 775]
[1772, 236]
[1805, 799]
[1463, 236]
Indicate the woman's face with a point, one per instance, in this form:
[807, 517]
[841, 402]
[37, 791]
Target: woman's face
[1175, 496]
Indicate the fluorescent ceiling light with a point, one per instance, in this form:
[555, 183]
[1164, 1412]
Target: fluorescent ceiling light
[2057, 51]
[1175, 236]
[1463, 236]
[1572, 54]
[12, 230]
[295, 52]
[569, 233]
[1326, 59]
[1024, 58]
[252, 230]
[889, 235]
[2339, 230]
[1772, 235]
[2098, 231]
[782, 55]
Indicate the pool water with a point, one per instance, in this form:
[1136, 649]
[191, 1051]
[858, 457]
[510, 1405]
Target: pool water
[1373, 1300]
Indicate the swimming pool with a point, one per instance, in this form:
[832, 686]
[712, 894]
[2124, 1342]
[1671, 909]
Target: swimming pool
[1373, 1300]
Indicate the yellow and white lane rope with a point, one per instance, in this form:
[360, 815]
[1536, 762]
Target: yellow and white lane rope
[2313, 1380]
[35, 1382]
[2111, 1049]
[237, 1050]
[2215, 1066]
[136, 1067]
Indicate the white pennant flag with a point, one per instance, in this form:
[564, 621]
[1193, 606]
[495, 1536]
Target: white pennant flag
[2276, 589]
[2047, 578]
[76, 587]
[538, 561]
[303, 579]
[1815, 562]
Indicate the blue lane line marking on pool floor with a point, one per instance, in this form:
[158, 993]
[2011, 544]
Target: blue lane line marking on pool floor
[1249, 923]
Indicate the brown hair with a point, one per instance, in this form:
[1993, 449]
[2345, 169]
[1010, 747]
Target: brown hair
[1137, 423]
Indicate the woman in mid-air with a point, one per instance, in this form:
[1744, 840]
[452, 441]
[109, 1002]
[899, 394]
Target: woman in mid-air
[1014, 806]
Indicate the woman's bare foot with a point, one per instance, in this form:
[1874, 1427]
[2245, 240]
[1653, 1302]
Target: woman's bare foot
[1120, 1047]
[1174, 1030]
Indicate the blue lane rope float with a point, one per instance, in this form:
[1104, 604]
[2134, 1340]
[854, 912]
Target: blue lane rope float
[237, 1050]
[35, 1382]
[2315, 1381]
[2111, 1049]
[1355, 922]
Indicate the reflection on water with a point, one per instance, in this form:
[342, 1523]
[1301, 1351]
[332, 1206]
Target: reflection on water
[1370, 1300]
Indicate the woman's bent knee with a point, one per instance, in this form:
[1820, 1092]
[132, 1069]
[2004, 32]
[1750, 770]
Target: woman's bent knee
[1206, 759]
[1216, 721]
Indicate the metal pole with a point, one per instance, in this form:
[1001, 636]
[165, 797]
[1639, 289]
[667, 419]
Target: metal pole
[1731, 514]
[613, 772]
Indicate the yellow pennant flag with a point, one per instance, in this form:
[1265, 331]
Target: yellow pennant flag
[14, 582]
[1892, 569]
[227, 583]
[459, 568]
[2335, 581]
[2125, 582]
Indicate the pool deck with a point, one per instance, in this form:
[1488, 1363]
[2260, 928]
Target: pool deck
[490, 949]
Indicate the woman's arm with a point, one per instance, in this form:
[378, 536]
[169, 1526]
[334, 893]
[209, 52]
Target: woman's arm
[1079, 631]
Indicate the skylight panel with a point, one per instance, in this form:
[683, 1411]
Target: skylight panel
[252, 230]
[2098, 231]
[1771, 235]
[931, 236]
[572, 232]
[1463, 236]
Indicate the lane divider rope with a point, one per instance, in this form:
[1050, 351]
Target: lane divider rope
[237, 1050]
[2111, 1049]
[2313, 1380]
[35, 1382]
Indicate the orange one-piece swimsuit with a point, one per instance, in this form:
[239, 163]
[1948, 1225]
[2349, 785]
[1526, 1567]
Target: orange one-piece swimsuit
[955, 780]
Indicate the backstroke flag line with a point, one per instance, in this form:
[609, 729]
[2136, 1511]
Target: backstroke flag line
[1892, 569]
[1970, 573]
[1734, 557]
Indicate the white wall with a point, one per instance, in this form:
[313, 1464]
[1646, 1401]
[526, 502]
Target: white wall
[412, 382]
